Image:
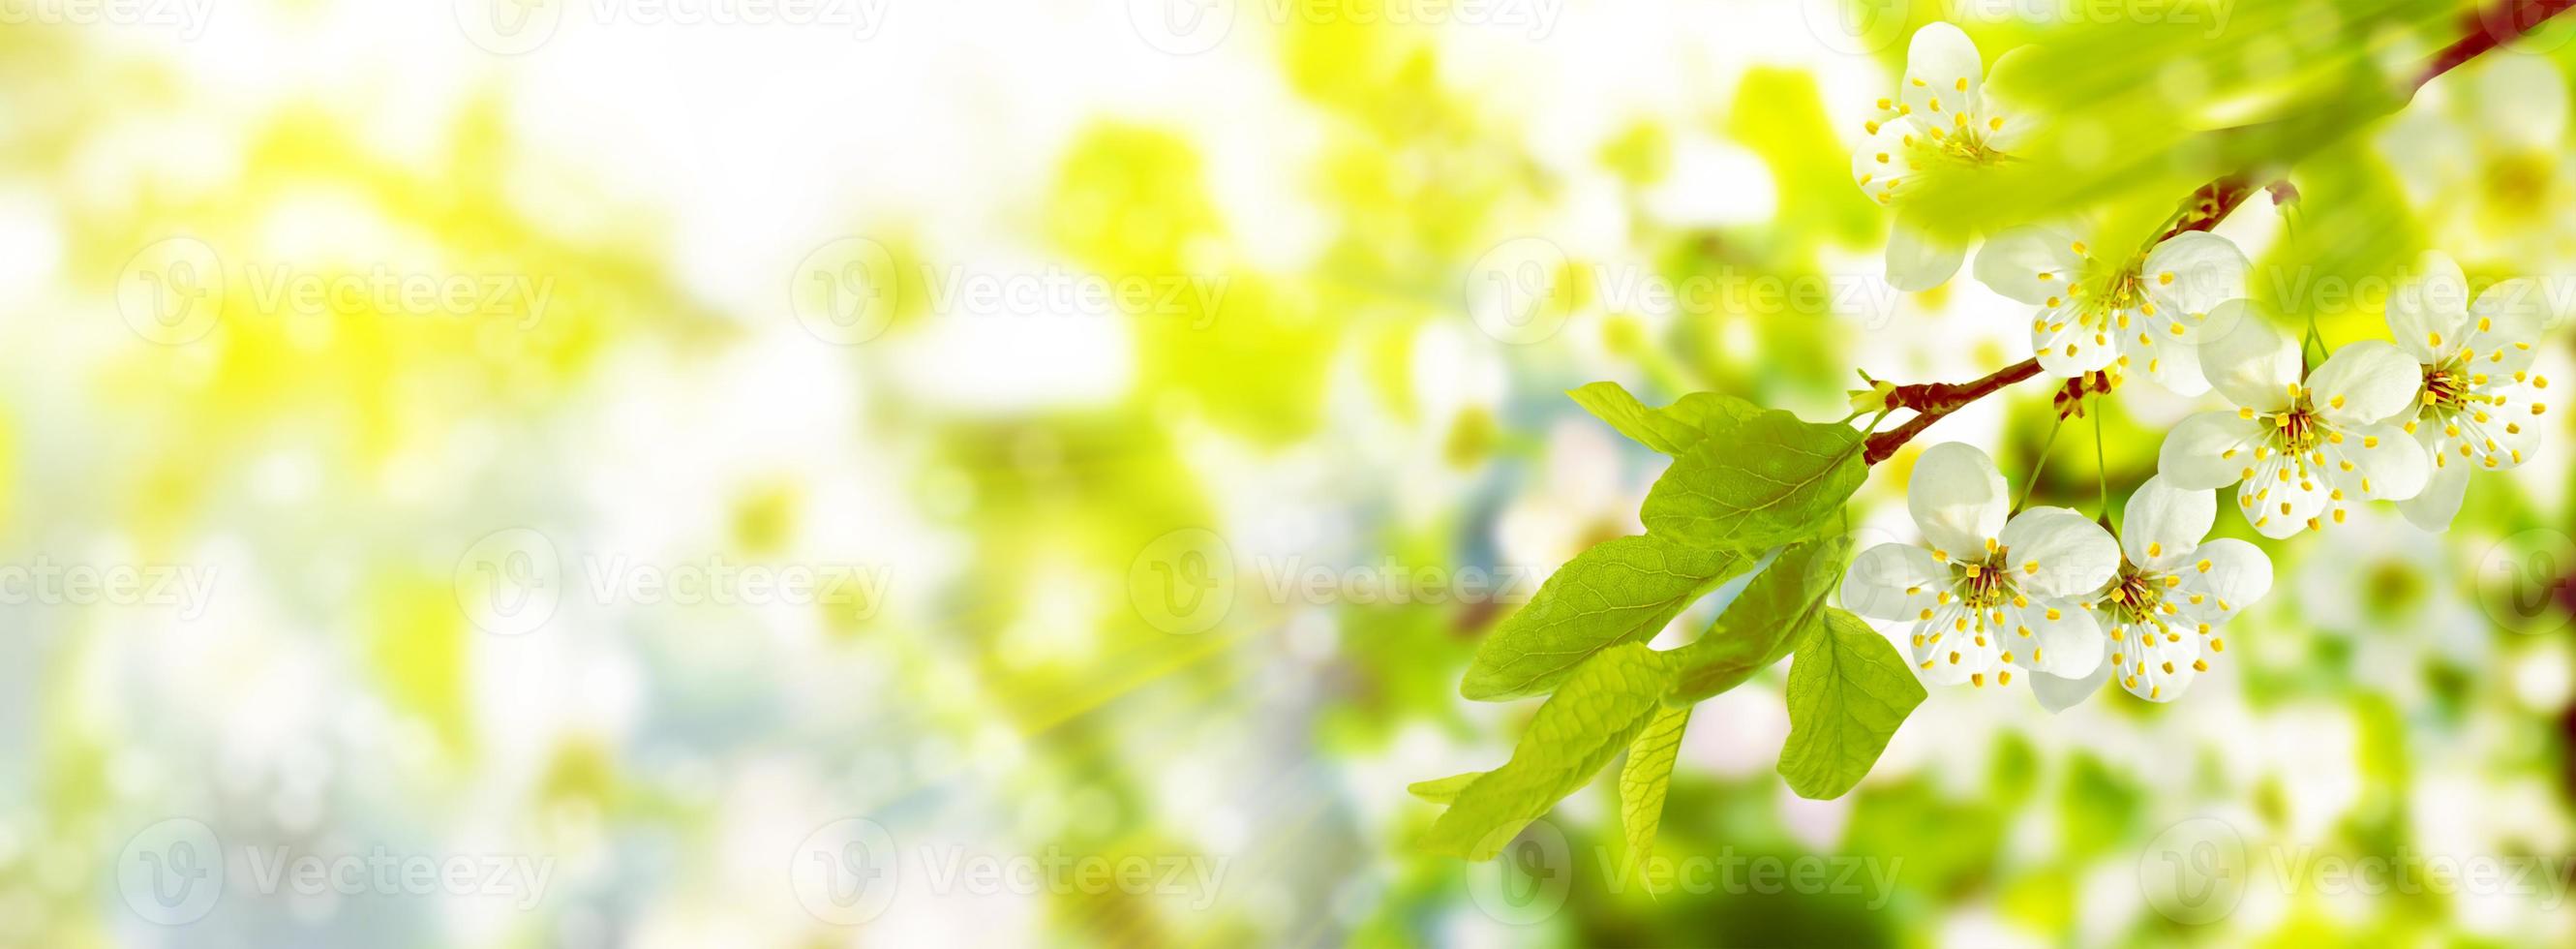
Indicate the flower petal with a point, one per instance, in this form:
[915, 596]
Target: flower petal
[2208, 450]
[2175, 366]
[2066, 346]
[2248, 361]
[2426, 314]
[2190, 275]
[2433, 508]
[1945, 647]
[1958, 499]
[1942, 72]
[1894, 582]
[2229, 575]
[2365, 382]
[2065, 641]
[2379, 462]
[1885, 159]
[1917, 261]
[2505, 324]
[2157, 665]
[2163, 524]
[2284, 496]
[2057, 693]
[2058, 553]
[2031, 264]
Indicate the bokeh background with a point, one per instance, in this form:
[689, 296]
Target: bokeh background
[742, 473]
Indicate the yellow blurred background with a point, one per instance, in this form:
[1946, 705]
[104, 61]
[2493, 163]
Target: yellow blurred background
[868, 472]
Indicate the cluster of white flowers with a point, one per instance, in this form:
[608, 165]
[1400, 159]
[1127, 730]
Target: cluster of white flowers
[2049, 591]
[2052, 592]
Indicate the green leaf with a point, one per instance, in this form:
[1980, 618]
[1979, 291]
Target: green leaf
[1442, 790]
[2355, 229]
[1593, 715]
[1848, 693]
[1765, 622]
[1620, 591]
[1643, 782]
[1673, 429]
[1768, 480]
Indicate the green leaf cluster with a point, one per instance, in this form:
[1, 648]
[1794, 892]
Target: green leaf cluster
[1753, 499]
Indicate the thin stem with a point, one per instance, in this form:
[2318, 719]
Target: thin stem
[2031, 486]
[2101, 469]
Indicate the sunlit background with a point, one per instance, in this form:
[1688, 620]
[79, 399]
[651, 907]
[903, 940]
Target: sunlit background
[885, 472]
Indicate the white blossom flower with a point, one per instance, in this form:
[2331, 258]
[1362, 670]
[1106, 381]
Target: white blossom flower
[2136, 311]
[2173, 593]
[1938, 120]
[2478, 403]
[1985, 594]
[2302, 447]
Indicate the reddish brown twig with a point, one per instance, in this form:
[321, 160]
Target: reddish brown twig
[2493, 27]
[1932, 400]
